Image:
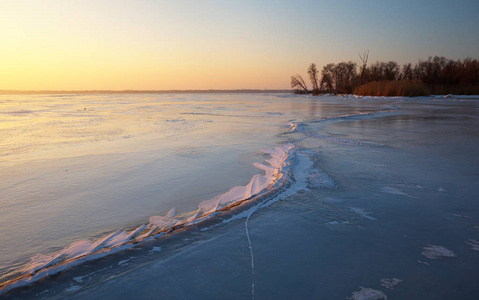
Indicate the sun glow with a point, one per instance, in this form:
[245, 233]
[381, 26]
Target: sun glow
[65, 46]
[118, 45]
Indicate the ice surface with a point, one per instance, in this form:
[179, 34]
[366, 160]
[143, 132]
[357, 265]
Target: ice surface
[349, 142]
[258, 184]
[82, 172]
[274, 245]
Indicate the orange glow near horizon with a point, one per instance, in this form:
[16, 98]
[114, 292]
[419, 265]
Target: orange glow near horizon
[212, 44]
[48, 48]
[67, 69]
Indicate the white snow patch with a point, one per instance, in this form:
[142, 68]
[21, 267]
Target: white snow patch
[154, 250]
[394, 191]
[321, 180]
[337, 222]
[423, 262]
[435, 252]
[41, 293]
[362, 212]
[79, 279]
[415, 186]
[368, 294]
[123, 262]
[441, 189]
[460, 216]
[474, 244]
[390, 283]
[73, 288]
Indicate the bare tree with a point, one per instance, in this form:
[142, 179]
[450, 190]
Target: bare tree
[313, 76]
[327, 77]
[391, 70]
[407, 72]
[364, 59]
[298, 83]
[344, 75]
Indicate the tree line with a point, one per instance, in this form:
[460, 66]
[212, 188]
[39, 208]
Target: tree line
[438, 75]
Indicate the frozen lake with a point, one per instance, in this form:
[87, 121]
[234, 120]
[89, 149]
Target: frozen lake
[367, 198]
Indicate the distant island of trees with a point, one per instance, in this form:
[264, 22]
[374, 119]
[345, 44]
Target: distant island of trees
[436, 75]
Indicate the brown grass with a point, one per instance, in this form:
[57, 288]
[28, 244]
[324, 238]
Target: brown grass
[403, 88]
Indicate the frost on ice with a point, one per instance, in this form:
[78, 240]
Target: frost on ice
[435, 252]
[474, 244]
[321, 180]
[362, 212]
[394, 191]
[390, 283]
[368, 294]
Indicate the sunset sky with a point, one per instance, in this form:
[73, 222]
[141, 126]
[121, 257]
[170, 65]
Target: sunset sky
[180, 44]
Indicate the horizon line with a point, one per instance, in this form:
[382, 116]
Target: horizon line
[25, 92]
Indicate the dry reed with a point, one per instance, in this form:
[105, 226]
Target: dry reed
[403, 88]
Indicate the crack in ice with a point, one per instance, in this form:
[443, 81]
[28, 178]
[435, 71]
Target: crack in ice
[250, 246]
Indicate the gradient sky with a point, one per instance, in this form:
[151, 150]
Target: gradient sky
[208, 44]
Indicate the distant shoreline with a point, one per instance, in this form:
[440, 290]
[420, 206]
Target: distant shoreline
[81, 92]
